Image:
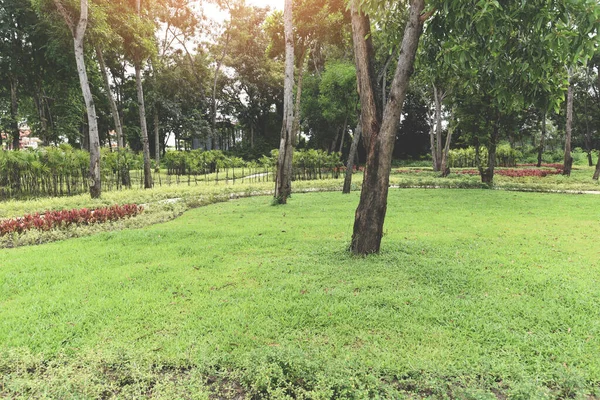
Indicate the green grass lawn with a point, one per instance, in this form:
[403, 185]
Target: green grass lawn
[476, 294]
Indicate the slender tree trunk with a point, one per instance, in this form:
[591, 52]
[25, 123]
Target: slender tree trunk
[542, 140]
[444, 168]
[370, 214]
[432, 144]
[334, 142]
[283, 185]
[438, 128]
[156, 140]
[144, 127]
[568, 162]
[14, 114]
[299, 97]
[213, 130]
[142, 113]
[78, 32]
[344, 129]
[597, 172]
[111, 100]
[351, 159]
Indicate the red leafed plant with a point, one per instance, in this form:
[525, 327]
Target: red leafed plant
[66, 218]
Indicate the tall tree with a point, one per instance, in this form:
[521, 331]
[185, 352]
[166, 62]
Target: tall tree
[379, 132]
[283, 184]
[78, 32]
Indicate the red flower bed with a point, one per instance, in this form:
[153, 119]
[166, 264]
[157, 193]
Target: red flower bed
[515, 173]
[65, 218]
[556, 166]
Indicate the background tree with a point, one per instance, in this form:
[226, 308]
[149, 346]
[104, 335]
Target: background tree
[283, 184]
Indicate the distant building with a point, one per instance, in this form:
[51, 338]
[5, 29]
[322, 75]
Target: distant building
[26, 141]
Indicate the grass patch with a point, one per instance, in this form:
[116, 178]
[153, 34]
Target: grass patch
[477, 294]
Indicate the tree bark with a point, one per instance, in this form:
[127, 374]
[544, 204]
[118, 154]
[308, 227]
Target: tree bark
[351, 159]
[14, 114]
[298, 98]
[344, 129]
[597, 172]
[432, 143]
[144, 127]
[487, 175]
[370, 214]
[542, 139]
[78, 32]
[111, 100]
[444, 168]
[283, 182]
[568, 161]
[156, 140]
[438, 128]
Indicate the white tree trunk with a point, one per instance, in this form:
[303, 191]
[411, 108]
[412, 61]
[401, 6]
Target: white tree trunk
[283, 185]
[94, 140]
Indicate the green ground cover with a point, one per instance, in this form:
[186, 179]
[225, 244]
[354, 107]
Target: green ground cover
[476, 294]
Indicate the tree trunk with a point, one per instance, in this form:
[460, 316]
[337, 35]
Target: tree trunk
[438, 128]
[298, 98]
[156, 140]
[213, 130]
[14, 114]
[542, 139]
[444, 168]
[94, 141]
[111, 101]
[568, 162]
[144, 127]
[283, 184]
[487, 175]
[597, 172]
[432, 144]
[142, 112]
[351, 159]
[370, 214]
[344, 129]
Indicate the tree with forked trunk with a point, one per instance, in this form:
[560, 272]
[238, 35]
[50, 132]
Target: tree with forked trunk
[379, 126]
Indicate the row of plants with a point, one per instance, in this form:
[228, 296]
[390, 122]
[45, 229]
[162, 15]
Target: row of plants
[66, 218]
[307, 164]
[506, 156]
[63, 170]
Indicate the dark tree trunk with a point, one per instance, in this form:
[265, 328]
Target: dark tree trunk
[370, 214]
[487, 174]
[14, 114]
[568, 162]
[432, 144]
[351, 160]
[444, 168]
[283, 182]
[111, 101]
[597, 172]
[542, 139]
[438, 129]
